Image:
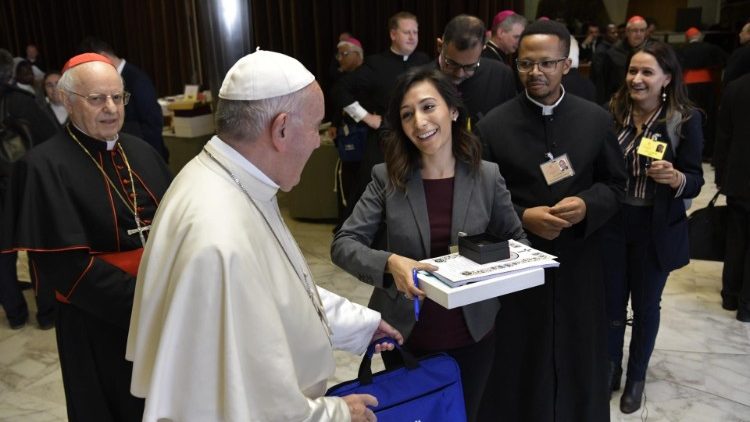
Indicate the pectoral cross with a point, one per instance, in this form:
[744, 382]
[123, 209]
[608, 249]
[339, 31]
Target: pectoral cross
[140, 229]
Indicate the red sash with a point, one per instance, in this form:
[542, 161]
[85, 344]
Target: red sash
[127, 261]
[697, 76]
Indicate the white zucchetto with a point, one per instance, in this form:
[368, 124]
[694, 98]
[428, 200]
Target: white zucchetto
[264, 74]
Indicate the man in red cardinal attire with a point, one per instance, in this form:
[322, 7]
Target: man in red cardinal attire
[81, 204]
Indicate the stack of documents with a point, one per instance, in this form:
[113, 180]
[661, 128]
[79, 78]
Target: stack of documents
[460, 281]
[456, 270]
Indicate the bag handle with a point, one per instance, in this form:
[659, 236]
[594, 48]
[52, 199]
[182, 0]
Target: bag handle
[365, 371]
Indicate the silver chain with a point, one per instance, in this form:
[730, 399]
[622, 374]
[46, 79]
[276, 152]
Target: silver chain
[309, 286]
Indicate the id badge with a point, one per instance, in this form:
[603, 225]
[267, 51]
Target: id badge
[652, 148]
[557, 169]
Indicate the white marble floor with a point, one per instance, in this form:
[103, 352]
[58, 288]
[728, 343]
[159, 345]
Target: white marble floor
[700, 370]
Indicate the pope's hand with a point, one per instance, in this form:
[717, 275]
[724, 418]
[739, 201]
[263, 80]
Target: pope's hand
[358, 409]
[386, 330]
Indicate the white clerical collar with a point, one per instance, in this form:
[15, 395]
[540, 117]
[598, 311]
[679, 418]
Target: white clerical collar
[26, 87]
[404, 57]
[110, 144]
[121, 66]
[241, 161]
[547, 110]
[61, 113]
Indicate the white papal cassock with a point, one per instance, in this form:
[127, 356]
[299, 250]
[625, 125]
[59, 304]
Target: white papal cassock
[223, 328]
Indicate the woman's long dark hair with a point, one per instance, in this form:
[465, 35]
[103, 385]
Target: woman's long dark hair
[401, 155]
[677, 98]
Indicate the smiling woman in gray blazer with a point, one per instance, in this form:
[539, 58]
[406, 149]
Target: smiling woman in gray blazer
[432, 186]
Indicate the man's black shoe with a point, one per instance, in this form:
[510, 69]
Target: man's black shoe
[17, 324]
[729, 303]
[743, 312]
[46, 325]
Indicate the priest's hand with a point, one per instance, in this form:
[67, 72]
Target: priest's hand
[358, 409]
[541, 222]
[663, 172]
[400, 267]
[571, 209]
[373, 120]
[386, 330]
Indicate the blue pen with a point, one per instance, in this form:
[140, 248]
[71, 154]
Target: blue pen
[416, 298]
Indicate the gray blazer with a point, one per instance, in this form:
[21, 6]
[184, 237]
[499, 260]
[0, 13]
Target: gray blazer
[480, 203]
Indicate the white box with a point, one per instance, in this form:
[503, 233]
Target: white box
[190, 127]
[453, 297]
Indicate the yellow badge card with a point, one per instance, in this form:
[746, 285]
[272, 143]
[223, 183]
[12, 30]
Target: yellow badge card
[652, 148]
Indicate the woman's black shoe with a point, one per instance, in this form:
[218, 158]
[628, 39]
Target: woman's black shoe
[631, 396]
[613, 378]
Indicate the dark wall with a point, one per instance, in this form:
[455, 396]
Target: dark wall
[160, 36]
[309, 30]
[155, 35]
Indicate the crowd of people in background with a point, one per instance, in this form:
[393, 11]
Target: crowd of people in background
[520, 128]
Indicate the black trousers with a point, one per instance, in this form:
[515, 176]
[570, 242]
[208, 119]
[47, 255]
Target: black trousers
[475, 363]
[11, 296]
[736, 274]
[632, 270]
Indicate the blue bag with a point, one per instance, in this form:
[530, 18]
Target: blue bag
[428, 389]
[351, 142]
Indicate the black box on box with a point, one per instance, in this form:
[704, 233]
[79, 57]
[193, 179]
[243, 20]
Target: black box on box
[483, 248]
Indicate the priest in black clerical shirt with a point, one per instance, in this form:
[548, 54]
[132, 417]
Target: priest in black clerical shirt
[566, 175]
[81, 205]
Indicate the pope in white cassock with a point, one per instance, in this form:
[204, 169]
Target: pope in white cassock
[227, 323]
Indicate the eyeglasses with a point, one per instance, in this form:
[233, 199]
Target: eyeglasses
[98, 100]
[545, 66]
[452, 66]
[343, 54]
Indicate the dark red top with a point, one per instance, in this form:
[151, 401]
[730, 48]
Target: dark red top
[439, 328]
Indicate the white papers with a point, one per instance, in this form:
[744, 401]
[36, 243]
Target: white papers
[456, 270]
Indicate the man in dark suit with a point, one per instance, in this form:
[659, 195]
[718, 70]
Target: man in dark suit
[732, 176]
[143, 118]
[612, 69]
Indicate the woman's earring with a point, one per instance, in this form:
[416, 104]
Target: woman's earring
[664, 94]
